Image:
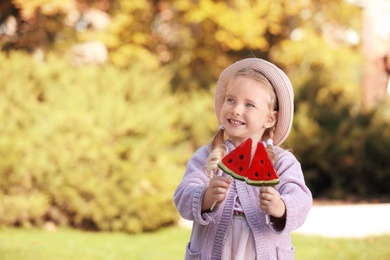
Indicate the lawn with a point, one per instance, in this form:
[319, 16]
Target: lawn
[34, 244]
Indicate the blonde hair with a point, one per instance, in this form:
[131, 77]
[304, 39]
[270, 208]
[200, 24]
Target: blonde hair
[218, 148]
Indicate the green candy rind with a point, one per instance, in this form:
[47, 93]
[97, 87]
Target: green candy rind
[224, 168]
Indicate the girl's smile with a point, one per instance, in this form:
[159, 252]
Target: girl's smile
[234, 122]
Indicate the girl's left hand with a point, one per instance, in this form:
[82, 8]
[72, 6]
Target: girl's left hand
[271, 203]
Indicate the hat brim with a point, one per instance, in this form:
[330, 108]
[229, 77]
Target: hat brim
[281, 84]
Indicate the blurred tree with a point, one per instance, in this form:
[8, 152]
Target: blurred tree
[197, 39]
[38, 26]
[200, 38]
[29, 25]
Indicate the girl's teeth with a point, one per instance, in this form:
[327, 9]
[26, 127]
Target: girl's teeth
[235, 122]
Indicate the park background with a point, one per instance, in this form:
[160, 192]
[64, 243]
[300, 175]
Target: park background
[103, 102]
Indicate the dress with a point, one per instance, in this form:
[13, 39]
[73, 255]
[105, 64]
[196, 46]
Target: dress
[209, 229]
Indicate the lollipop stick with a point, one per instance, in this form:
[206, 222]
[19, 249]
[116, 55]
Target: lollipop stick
[215, 203]
[213, 174]
[267, 219]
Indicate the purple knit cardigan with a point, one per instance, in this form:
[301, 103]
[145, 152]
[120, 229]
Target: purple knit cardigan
[210, 228]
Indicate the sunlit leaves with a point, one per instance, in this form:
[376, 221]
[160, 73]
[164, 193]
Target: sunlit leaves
[94, 143]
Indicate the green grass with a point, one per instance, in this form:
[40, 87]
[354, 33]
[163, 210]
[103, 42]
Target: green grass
[314, 247]
[19, 244]
[34, 244]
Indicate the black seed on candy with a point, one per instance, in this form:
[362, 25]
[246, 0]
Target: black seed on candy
[230, 160]
[241, 156]
[262, 161]
[240, 169]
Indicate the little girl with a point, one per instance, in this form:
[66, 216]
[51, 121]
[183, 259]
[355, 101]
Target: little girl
[254, 99]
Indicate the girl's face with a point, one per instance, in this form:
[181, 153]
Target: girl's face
[246, 111]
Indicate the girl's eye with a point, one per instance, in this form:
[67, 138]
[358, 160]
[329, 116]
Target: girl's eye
[250, 105]
[230, 100]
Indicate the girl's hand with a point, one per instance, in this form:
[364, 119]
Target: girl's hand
[216, 191]
[271, 203]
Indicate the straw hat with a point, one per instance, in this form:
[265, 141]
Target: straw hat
[280, 82]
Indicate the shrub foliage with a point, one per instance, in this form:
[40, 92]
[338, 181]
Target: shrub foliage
[91, 147]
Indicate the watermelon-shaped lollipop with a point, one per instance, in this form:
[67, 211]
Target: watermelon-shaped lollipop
[261, 171]
[237, 162]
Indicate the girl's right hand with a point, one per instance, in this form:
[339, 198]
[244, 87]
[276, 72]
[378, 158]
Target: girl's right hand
[216, 191]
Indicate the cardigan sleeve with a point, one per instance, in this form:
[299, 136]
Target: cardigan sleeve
[189, 193]
[293, 191]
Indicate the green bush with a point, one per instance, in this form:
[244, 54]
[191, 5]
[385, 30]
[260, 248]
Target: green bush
[92, 147]
[343, 149]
